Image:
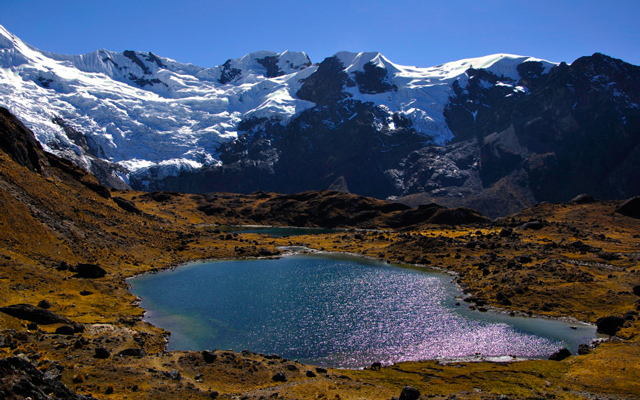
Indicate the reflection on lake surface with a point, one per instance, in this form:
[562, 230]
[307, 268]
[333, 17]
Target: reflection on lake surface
[336, 311]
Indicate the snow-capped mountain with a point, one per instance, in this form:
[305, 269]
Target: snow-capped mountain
[276, 121]
[140, 110]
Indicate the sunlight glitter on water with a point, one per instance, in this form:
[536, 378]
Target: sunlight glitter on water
[333, 311]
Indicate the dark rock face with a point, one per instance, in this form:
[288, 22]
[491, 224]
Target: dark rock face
[609, 325]
[228, 73]
[373, 80]
[630, 208]
[21, 379]
[19, 143]
[271, 64]
[409, 393]
[576, 131]
[33, 314]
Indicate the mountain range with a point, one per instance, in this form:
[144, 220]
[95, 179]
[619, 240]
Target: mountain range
[495, 133]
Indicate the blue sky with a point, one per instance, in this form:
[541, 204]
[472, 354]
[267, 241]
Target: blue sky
[421, 33]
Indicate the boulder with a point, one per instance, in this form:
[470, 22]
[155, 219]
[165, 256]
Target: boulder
[535, 225]
[584, 349]
[44, 304]
[631, 208]
[409, 393]
[560, 354]
[209, 357]
[65, 330]
[280, 377]
[90, 271]
[583, 199]
[33, 314]
[636, 290]
[132, 352]
[609, 325]
[101, 353]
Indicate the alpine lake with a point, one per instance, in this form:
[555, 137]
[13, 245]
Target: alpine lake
[338, 311]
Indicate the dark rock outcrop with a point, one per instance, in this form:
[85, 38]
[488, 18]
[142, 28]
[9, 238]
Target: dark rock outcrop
[609, 325]
[126, 205]
[20, 379]
[34, 314]
[630, 208]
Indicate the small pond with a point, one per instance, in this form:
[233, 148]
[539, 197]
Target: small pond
[338, 311]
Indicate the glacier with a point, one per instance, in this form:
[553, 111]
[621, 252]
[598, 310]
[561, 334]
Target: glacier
[154, 117]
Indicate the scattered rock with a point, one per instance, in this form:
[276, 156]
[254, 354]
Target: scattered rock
[409, 393]
[280, 377]
[560, 354]
[609, 325]
[33, 314]
[631, 208]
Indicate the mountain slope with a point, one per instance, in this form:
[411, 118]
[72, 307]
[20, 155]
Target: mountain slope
[461, 133]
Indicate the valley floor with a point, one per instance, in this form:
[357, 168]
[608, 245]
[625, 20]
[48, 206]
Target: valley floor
[578, 261]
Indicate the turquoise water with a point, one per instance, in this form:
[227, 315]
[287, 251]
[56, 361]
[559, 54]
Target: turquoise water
[336, 311]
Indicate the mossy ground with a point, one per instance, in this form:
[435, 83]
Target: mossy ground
[51, 221]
